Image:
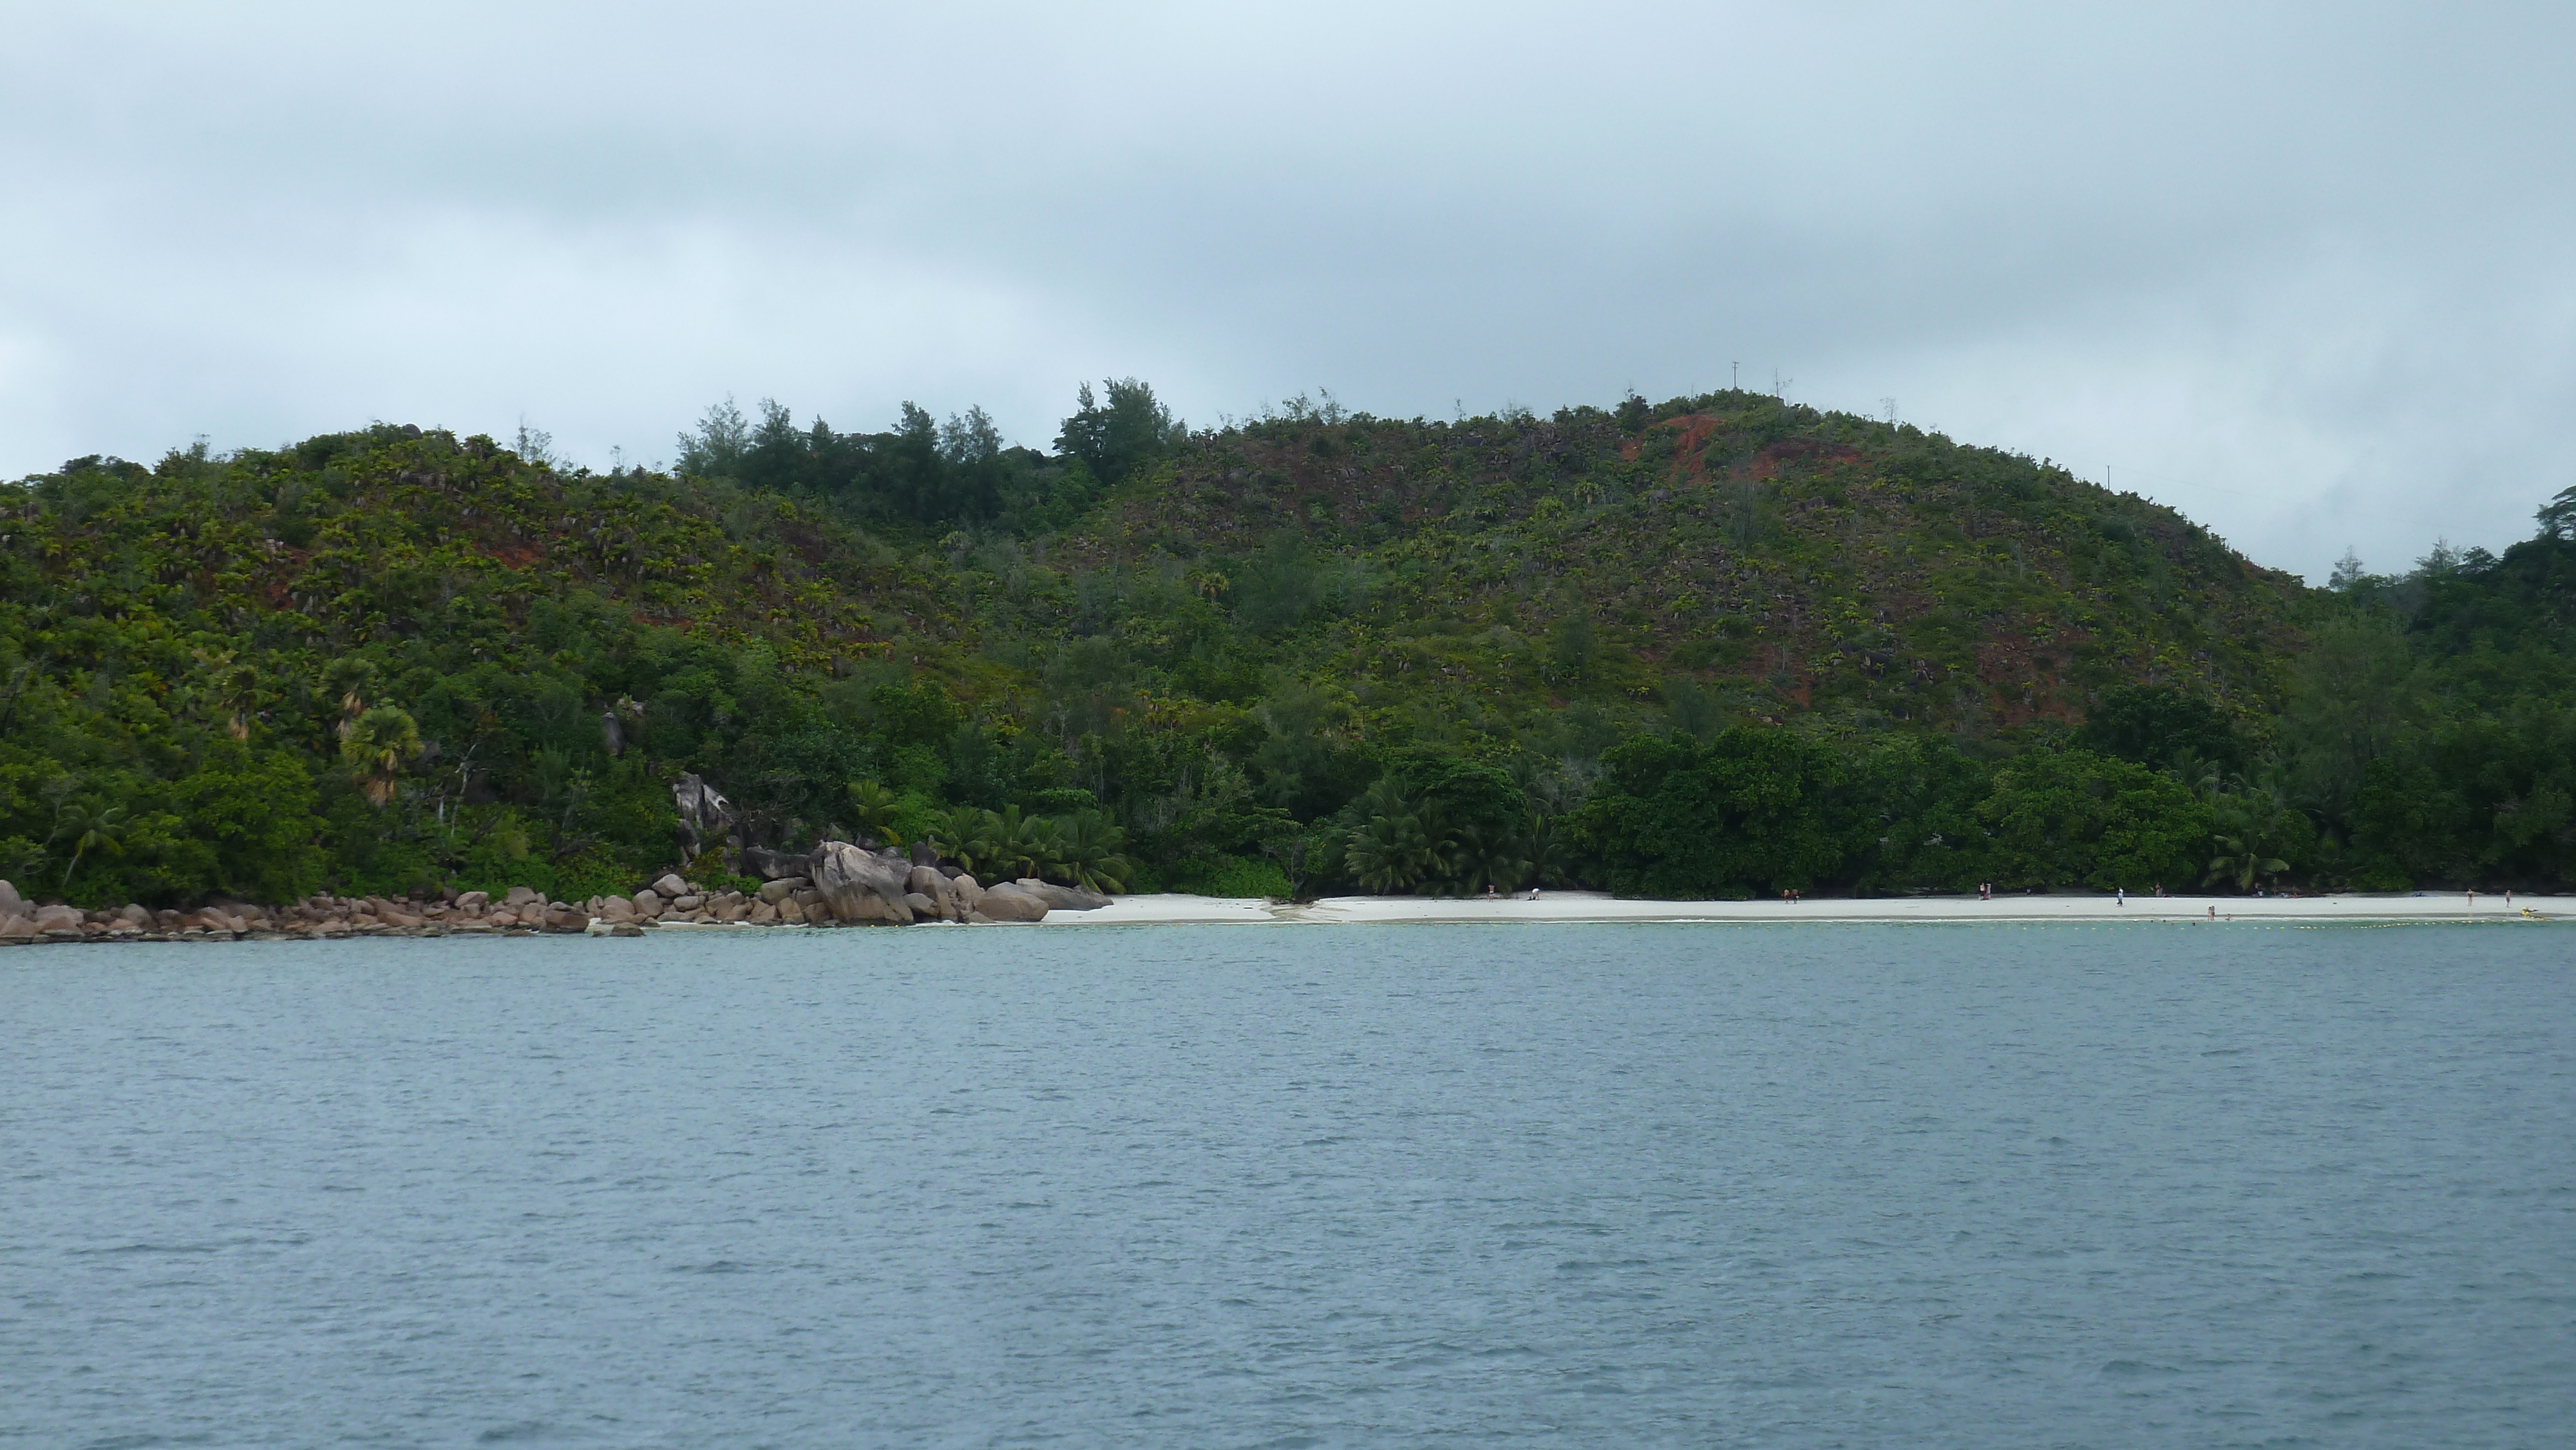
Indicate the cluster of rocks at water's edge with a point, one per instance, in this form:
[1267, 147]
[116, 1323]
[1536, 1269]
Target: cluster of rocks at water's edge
[835, 884]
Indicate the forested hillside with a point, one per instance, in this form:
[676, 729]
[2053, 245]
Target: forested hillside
[1722, 645]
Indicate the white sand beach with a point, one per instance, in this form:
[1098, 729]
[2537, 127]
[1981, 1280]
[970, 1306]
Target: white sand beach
[1589, 906]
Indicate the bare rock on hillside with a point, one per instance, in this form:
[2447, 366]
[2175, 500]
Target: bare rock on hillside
[705, 817]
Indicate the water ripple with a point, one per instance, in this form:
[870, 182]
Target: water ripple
[1608, 1185]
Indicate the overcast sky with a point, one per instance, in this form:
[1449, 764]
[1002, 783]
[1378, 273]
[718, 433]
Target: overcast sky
[2306, 272]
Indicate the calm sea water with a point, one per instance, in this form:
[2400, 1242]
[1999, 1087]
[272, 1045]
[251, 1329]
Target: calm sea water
[1366, 1186]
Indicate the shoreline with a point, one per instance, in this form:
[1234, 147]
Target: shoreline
[1567, 907]
[1553, 908]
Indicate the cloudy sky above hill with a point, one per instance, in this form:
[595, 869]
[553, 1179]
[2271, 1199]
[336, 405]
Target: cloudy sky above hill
[2302, 271]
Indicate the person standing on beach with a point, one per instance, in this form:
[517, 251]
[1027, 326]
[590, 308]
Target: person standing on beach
[2119, 896]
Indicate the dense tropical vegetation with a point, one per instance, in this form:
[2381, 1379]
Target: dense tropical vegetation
[1719, 646]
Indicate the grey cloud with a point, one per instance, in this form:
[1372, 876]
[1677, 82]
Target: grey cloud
[2295, 269]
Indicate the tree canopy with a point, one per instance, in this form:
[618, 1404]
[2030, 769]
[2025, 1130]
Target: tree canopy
[1717, 646]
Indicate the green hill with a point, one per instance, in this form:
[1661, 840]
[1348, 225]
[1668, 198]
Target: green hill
[1721, 645]
[1794, 563]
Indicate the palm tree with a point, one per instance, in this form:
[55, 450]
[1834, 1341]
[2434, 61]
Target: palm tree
[874, 805]
[1444, 848]
[1551, 850]
[376, 742]
[91, 828]
[1387, 854]
[1044, 836]
[1490, 858]
[1414, 851]
[2198, 773]
[2249, 821]
[1023, 845]
[965, 836]
[2241, 862]
[1090, 843]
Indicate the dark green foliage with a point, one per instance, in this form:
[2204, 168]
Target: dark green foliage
[922, 472]
[2430, 730]
[1749, 812]
[2068, 818]
[1116, 437]
[2151, 724]
[1913, 816]
[1719, 645]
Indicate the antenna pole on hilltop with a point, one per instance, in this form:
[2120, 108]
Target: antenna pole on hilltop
[1734, 377]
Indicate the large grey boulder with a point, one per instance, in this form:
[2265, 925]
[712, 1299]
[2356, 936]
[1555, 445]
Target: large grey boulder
[784, 887]
[670, 887]
[1007, 902]
[862, 886]
[1062, 898]
[11, 903]
[776, 865]
[929, 881]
